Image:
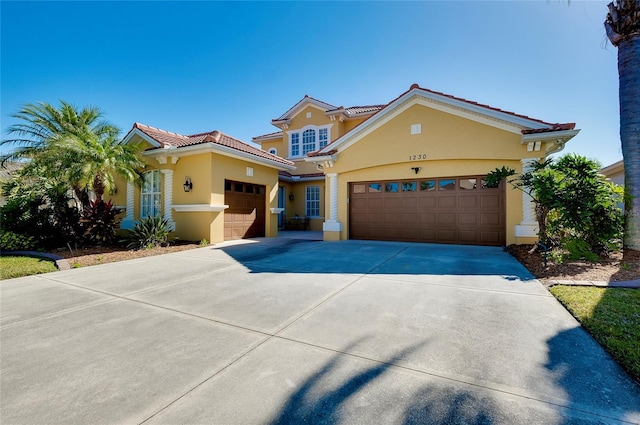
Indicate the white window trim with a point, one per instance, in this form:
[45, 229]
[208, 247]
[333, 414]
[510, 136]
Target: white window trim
[307, 200]
[157, 173]
[299, 131]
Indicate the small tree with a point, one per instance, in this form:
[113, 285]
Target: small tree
[586, 218]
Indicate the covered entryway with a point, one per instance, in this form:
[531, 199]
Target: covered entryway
[456, 210]
[245, 217]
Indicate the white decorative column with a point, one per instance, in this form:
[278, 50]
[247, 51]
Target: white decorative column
[129, 222]
[528, 227]
[168, 198]
[332, 225]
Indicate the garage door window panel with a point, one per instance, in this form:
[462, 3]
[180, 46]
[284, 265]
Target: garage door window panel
[428, 185]
[447, 185]
[391, 187]
[375, 188]
[467, 184]
[409, 186]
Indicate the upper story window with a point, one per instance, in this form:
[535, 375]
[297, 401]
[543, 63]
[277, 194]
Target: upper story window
[150, 195]
[323, 137]
[273, 151]
[308, 139]
[295, 144]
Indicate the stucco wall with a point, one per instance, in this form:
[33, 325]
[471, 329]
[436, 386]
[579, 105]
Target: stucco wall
[448, 145]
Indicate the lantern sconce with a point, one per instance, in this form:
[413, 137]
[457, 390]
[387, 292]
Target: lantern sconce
[416, 169]
[291, 196]
[187, 184]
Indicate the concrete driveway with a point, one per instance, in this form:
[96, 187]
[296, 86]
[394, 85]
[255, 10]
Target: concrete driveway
[282, 331]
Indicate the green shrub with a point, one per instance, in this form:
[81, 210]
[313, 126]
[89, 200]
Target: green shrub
[148, 233]
[579, 249]
[11, 241]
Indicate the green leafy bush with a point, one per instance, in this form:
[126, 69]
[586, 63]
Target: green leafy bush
[148, 233]
[11, 241]
[576, 208]
[99, 223]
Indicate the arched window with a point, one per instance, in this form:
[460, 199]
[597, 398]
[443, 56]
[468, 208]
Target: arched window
[308, 141]
[273, 151]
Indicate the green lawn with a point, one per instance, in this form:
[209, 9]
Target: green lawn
[612, 316]
[11, 267]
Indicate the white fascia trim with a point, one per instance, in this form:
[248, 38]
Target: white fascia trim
[141, 134]
[616, 167]
[565, 135]
[480, 114]
[295, 109]
[230, 152]
[199, 207]
[503, 116]
[320, 158]
[296, 179]
[276, 210]
[275, 136]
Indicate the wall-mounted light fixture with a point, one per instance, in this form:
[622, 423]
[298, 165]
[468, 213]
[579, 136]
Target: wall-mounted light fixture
[416, 169]
[187, 184]
[291, 196]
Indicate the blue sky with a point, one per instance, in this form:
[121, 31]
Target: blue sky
[190, 67]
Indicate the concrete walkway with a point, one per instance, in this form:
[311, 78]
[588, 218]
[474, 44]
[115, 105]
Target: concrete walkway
[290, 331]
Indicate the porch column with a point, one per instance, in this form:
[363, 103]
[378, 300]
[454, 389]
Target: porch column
[528, 227]
[332, 224]
[129, 222]
[168, 198]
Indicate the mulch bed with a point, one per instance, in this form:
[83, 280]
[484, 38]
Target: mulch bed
[83, 257]
[614, 268]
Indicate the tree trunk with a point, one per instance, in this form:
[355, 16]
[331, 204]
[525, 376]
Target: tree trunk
[98, 188]
[82, 197]
[541, 218]
[629, 91]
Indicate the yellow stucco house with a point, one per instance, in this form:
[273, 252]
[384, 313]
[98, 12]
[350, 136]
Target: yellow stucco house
[409, 170]
[207, 186]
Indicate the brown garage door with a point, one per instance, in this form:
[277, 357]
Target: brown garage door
[458, 210]
[245, 217]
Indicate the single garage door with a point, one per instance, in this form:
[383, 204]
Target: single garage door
[456, 210]
[245, 217]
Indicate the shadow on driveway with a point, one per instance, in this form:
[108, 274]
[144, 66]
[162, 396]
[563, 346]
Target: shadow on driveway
[281, 255]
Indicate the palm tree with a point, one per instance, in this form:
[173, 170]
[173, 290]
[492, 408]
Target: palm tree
[76, 145]
[623, 29]
[41, 123]
[100, 159]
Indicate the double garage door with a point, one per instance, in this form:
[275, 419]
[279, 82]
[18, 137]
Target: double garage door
[457, 210]
[245, 217]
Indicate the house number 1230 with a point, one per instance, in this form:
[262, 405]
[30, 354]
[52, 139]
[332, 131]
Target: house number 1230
[417, 157]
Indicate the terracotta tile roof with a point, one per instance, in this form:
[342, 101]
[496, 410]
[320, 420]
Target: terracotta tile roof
[302, 176]
[167, 138]
[317, 153]
[471, 102]
[554, 127]
[355, 110]
[273, 135]
[286, 116]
